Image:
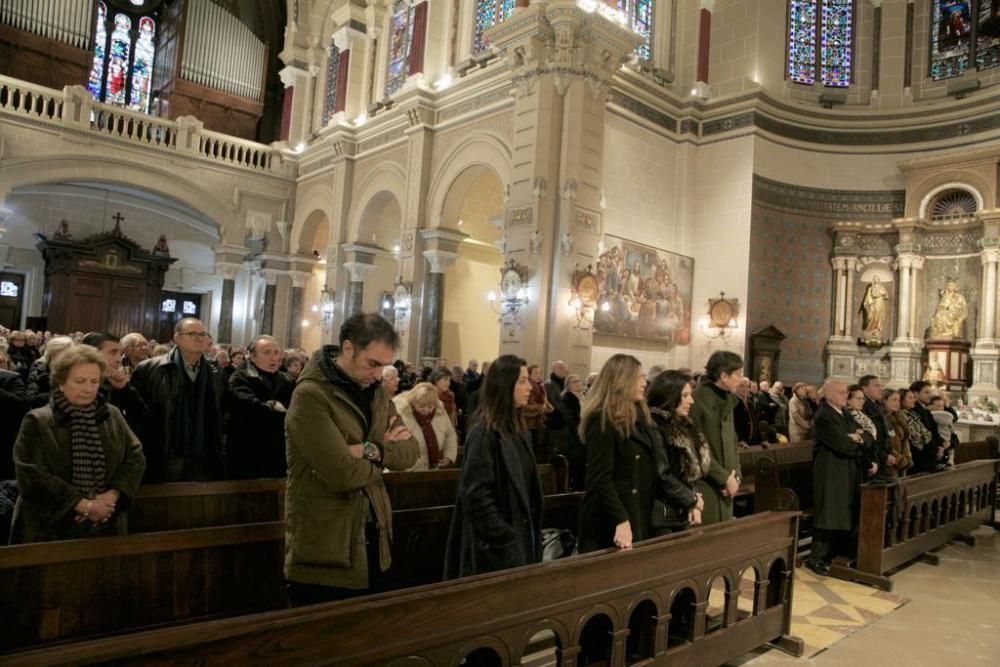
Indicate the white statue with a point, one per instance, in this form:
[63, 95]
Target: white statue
[874, 307]
[535, 242]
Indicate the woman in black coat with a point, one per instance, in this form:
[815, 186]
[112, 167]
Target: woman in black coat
[621, 473]
[569, 406]
[498, 511]
[684, 458]
[259, 395]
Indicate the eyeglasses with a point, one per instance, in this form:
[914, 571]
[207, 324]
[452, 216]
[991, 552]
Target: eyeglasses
[197, 334]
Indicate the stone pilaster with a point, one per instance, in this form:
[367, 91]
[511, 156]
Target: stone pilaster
[907, 348]
[986, 353]
[229, 272]
[293, 331]
[359, 262]
[562, 60]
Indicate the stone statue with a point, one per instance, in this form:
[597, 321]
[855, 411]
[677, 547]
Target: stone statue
[765, 369]
[874, 308]
[951, 313]
[934, 374]
[63, 231]
[161, 247]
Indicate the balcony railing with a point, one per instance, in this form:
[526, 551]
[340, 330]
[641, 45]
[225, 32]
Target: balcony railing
[73, 107]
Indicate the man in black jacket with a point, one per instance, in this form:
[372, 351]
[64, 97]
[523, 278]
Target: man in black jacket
[259, 396]
[115, 384]
[871, 386]
[925, 460]
[745, 417]
[837, 468]
[184, 393]
[13, 406]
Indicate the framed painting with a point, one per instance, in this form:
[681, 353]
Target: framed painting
[643, 292]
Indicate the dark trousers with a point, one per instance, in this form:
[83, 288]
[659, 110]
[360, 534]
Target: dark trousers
[829, 544]
[300, 594]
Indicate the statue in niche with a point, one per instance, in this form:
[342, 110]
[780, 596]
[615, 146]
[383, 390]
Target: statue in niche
[161, 247]
[952, 311]
[63, 231]
[874, 308]
[765, 369]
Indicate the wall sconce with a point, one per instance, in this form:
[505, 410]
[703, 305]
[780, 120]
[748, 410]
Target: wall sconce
[722, 314]
[513, 291]
[326, 305]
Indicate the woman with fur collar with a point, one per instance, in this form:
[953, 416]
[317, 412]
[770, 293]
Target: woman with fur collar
[425, 417]
[684, 457]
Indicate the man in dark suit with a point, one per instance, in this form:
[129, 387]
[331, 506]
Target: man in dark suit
[838, 452]
[871, 386]
[926, 460]
[745, 415]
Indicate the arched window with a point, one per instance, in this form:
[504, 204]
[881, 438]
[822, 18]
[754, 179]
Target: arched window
[821, 42]
[400, 40]
[962, 32]
[488, 14]
[124, 50]
[640, 19]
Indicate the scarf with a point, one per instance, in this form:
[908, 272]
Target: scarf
[191, 417]
[362, 397]
[919, 435]
[864, 421]
[430, 437]
[86, 448]
[681, 434]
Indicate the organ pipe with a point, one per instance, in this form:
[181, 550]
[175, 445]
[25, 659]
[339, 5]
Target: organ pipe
[65, 21]
[222, 53]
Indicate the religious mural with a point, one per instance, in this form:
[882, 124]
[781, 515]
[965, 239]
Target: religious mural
[644, 292]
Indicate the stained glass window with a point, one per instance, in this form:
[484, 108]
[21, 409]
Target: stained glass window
[190, 308]
[169, 306]
[821, 41]
[488, 14]
[97, 66]
[400, 40]
[330, 95]
[121, 45]
[988, 34]
[142, 66]
[8, 288]
[951, 38]
[640, 17]
[124, 50]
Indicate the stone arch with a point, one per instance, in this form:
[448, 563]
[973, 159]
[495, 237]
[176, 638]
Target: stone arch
[482, 149]
[316, 198]
[312, 234]
[122, 171]
[950, 180]
[388, 181]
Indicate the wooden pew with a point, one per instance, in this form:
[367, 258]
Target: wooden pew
[79, 588]
[936, 508]
[182, 505]
[648, 606]
[977, 451]
[59, 590]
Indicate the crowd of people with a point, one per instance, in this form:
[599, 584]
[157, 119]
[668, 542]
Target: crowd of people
[89, 417]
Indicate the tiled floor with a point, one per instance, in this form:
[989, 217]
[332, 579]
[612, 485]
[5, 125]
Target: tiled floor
[952, 617]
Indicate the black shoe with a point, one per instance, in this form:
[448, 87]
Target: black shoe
[819, 567]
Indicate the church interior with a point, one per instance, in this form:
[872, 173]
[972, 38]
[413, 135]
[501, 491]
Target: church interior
[813, 185]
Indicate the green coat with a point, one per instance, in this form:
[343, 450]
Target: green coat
[328, 491]
[713, 415]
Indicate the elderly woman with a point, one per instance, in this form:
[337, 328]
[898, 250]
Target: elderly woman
[441, 379]
[20, 354]
[78, 464]
[425, 417]
[390, 381]
[39, 383]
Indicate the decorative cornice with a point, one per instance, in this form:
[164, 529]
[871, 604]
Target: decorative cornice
[833, 204]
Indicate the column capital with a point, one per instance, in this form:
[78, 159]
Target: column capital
[708, 5]
[360, 254]
[228, 270]
[358, 270]
[990, 256]
[299, 278]
[440, 260]
[442, 238]
[910, 261]
[345, 37]
[271, 276]
[290, 73]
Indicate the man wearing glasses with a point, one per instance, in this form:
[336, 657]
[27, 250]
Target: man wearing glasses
[184, 393]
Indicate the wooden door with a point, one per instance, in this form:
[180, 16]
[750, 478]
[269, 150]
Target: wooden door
[11, 299]
[87, 307]
[126, 307]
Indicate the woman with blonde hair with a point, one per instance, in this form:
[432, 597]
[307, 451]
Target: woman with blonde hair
[39, 385]
[616, 427]
[425, 417]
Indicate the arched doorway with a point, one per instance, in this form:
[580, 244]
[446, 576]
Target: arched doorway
[312, 242]
[379, 228]
[473, 205]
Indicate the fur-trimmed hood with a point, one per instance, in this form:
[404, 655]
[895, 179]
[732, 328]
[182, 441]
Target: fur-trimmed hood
[687, 442]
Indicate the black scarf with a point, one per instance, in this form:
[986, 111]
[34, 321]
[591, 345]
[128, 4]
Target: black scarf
[87, 450]
[190, 417]
[362, 397]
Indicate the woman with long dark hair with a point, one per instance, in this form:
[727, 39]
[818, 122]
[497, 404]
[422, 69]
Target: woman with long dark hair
[498, 511]
[620, 440]
[684, 458]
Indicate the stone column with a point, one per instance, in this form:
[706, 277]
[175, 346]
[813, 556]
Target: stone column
[986, 354]
[226, 303]
[359, 262]
[701, 85]
[352, 44]
[907, 349]
[442, 251]
[270, 296]
[850, 267]
[841, 349]
[562, 60]
[294, 329]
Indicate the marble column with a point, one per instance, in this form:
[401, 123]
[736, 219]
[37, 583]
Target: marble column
[433, 303]
[356, 288]
[850, 267]
[986, 355]
[990, 258]
[293, 332]
[906, 350]
[226, 303]
[841, 349]
[701, 86]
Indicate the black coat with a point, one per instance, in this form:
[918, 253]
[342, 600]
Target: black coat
[159, 383]
[39, 384]
[497, 522]
[13, 406]
[553, 392]
[925, 460]
[621, 482]
[576, 452]
[881, 447]
[682, 460]
[837, 462]
[745, 420]
[129, 403]
[255, 447]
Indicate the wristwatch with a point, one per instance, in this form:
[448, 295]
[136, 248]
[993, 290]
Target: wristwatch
[370, 451]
